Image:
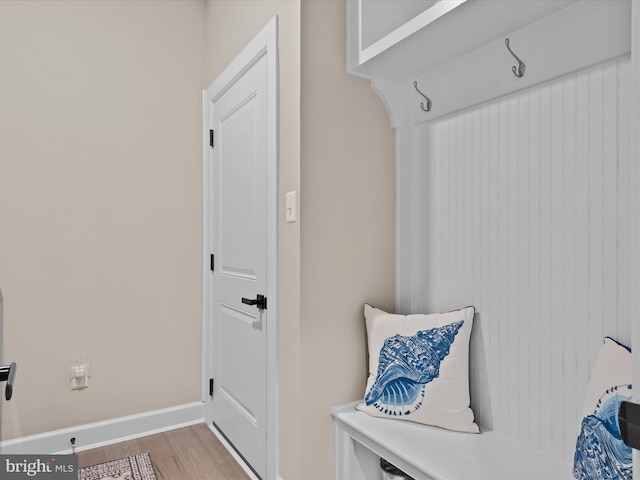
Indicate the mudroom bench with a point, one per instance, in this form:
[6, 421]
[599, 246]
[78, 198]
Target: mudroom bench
[429, 453]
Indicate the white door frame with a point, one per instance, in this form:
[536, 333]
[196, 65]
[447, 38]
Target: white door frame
[264, 44]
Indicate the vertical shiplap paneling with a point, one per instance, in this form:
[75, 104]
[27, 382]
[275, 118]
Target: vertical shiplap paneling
[459, 199]
[510, 253]
[486, 249]
[474, 231]
[596, 213]
[529, 201]
[454, 216]
[435, 186]
[523, 333]
[547, 398]
[624, 203]
[582, 181]
[502, 261]
[556, 280]
[496, 374]
[568, 247]
[610, 200]
[448, 172]
[465, 193]
[535, 338]
[443, 208]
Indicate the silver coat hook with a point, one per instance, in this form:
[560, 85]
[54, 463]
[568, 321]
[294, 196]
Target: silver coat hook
[428, 108]
[518, 72]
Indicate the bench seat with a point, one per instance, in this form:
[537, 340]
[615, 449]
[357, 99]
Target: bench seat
[431, 453]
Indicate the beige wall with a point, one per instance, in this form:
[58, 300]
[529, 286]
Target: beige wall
[100, 206]
[347, 226]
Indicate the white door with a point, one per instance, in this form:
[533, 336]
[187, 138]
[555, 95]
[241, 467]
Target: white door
[242, 220]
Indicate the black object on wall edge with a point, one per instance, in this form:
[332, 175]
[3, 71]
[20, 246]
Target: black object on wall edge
[629, 424]
[8, 374]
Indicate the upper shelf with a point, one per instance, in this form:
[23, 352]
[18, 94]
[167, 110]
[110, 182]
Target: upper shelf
[458, 53]
[401, 39]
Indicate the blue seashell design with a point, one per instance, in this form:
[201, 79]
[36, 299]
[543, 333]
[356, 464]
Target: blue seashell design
[406, 365]
[600, 451]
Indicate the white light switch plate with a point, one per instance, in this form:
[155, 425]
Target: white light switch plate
[290, 208]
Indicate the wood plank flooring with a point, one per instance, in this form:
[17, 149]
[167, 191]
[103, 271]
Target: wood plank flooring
[189, 453]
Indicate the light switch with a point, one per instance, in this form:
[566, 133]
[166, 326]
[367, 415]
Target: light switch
[290, 207]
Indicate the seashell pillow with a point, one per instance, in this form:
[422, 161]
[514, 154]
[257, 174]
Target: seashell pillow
[419, 368]
[600, 452]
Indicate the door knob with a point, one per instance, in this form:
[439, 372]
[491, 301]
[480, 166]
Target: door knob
[260, 301]
[8, 374]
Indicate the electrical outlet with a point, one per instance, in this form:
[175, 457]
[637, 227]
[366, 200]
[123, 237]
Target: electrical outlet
[79, 377]
[80, 370]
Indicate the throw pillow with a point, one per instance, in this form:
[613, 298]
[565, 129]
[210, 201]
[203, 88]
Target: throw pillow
[419, 368]
[600, 451]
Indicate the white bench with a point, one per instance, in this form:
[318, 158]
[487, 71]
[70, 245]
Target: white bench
[429, 453]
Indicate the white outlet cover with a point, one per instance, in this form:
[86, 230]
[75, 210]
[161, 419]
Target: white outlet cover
[81, 359]
[79, 378]
[290, 207]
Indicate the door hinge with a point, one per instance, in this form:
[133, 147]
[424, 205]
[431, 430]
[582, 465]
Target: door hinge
[211, 387]
[212, 262]
[211, 144]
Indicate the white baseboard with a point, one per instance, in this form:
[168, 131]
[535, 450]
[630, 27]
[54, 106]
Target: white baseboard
[99, 434]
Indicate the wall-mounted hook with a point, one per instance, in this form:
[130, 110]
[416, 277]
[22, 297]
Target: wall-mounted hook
[428, 107]
[518, 72]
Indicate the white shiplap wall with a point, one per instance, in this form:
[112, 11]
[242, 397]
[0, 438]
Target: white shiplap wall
[526, 213]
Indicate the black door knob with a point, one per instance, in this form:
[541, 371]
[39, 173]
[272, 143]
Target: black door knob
[260, 301]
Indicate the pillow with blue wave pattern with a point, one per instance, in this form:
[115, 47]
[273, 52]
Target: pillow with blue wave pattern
[600, 451]
[419, 368]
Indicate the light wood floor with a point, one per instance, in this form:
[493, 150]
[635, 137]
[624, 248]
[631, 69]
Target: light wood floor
[190, 453]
